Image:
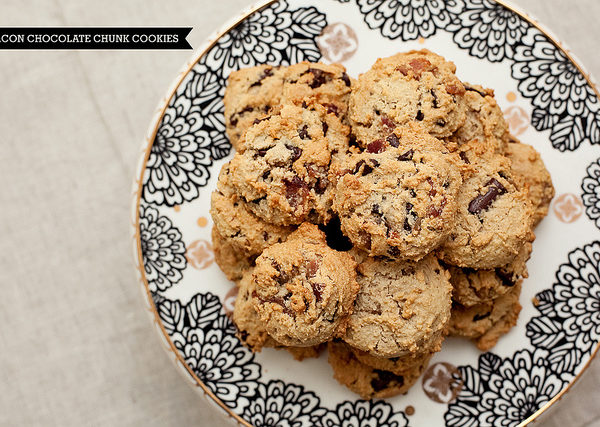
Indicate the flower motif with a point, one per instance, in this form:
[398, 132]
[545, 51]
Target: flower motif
[503, 392]
[162, 250]
[489, 30]
[591, 192]
[255, 40]
[569, 324]
[274, 35]
[440, 383]
[568, 208]
[281, 404]
[364, 413]
[222, 364]
[229, 301]
[180, 156]
[409, 19]
[564, 101]
[517, 119]
[200, 254]
[338, 42]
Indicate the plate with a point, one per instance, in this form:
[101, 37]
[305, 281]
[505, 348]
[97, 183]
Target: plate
[549, 102]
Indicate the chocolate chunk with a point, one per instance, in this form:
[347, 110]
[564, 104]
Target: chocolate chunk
[407, 226]
[464, 157]
[506, 277]
[296, 151]
[233, 121]
[394, 251]
[266, 174]
[409, 207]
[383, 379]
[393, 140]
[262, 153]
[441, 123]
[472, 89]
[352, 142]
[257, 121]
[334, 236]
[358, 166]
[332, 109]
[420, 115]
[318, 291]
[303, 132]
[265, 236]
[376, 210]
[481, 316]
[245, 110]
[432, 190]
[377, 146]
[435, 99]
[320, 77]
[268, 72]
[325, 128]
[321, 185]
[406, 156]
[346, 79]
[483, 201]
[296, 191]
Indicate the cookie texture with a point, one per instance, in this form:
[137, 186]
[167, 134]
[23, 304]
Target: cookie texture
[494, 215]
[471, 287]
[284, 175]
[229, 258]
[484, 120]
[417, 86]
[365, 380]
[527, 163]
[243, 231]
[304, 290]
[485, 323]
[255, 93]
[402, 307]
[395, 365]
[398, 198]
[251, 330]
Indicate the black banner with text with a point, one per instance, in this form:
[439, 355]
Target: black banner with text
[82, 38]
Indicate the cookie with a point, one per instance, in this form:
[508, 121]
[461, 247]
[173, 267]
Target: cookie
[251, 94]
[395, 365]
[304, 289]
[414, 86]
[258, 92]
[484, 119]
[283, 175]
[251, 330]
[494, 215]
[485, 323]
[229, 258]
[366, 381]
[473, 287]
[401, 308]
[243, 231]
[302, 353]
[527, 163]
[398, 198]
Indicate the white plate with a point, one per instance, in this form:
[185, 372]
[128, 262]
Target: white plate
[549, 103]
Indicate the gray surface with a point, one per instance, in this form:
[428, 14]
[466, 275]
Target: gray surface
[77, 347]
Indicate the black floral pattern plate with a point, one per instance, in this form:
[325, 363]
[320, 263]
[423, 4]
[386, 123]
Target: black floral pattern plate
[549, 102]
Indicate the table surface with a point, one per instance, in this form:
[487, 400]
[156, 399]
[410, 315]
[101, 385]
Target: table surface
[77, 346]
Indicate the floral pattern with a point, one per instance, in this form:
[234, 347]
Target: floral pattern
[163, 251]
[563, 100]
[281, 404]
[591, 192]
[489, 30]
[364, 413]
[206, 340]
[409, 19]
[190, 138]
[569, 324]
[503, 392]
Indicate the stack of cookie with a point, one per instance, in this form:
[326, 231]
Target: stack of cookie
[375, 215]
